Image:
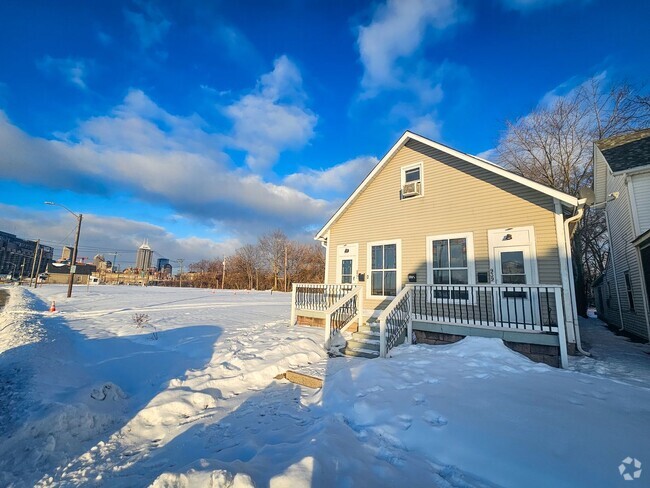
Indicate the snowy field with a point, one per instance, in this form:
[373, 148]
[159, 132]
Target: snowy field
[86, 398]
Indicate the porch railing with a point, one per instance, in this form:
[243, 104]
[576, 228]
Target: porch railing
[396, 320]
[525, 308]
[343, 313]
[316, 297]
[520, 307]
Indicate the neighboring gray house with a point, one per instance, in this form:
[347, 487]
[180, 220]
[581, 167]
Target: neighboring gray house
[622, 187]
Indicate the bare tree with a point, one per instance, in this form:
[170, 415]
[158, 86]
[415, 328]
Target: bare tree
[272, 248]
[248, 260]
[553, 145]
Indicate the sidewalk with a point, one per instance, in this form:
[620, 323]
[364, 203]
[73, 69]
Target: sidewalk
[615, 357]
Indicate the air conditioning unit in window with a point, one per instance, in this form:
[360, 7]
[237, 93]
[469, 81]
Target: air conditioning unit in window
[411, 189]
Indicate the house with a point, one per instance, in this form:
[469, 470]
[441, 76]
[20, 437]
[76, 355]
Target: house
[444, 244]
[622, 188]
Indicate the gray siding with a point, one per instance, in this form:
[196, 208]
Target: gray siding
[641, 183]
[622, 233]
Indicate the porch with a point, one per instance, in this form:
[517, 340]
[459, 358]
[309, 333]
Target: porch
[520, 315]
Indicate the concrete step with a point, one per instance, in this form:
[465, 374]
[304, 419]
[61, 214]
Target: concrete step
[369, 327]
[371, 345]
[360, 352]
[368, 335]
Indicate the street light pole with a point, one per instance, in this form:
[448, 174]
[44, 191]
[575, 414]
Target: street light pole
[73, 262]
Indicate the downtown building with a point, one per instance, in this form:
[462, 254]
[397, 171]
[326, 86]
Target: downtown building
[17, 255]
[144, 257]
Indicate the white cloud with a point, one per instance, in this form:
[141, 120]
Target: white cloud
[341, 179]
[272, 118]
[74, 71]
[396, 32]
[396, 71]
[149, 23]
[103, 235]
[489, 154]
[141, 149]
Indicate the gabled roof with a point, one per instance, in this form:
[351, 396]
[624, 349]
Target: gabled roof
[626, 151]
[480, 162]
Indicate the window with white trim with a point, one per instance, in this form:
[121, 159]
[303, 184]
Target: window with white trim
[411, 181]
[451, 262]
[383, 274]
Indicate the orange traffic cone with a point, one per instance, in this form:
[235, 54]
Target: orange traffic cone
[53, 307]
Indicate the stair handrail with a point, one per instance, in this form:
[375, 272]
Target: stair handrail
[342, 301]
[383, 340]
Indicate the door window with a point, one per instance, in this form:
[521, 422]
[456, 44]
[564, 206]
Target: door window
[513, 270]
[346, 271]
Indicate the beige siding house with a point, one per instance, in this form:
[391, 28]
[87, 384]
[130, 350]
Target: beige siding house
[622, 190]
[446, 245]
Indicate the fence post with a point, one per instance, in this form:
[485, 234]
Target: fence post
[360, 302]
[409, 324]
[293, 304]
[564, 360]
[328, 328]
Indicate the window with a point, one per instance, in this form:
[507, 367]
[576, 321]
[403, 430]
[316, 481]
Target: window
[628, 286]
[451, 263]
[383, 277]
[346, 271]
[411, 181]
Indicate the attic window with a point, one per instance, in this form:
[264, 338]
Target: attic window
[411, 181]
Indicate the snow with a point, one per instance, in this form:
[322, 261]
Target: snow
[89, 399]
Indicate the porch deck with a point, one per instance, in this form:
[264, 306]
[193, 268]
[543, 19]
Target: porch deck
[519, 314]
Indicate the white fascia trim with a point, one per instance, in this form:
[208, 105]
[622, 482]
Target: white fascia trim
[631, 171]
[481, 163]
[600, 196]
[364, 183]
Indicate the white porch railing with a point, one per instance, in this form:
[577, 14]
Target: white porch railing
[522, 308]
[534, 309]
[340, 304]
[343, 313]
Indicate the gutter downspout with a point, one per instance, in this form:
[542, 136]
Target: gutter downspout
[567, 243]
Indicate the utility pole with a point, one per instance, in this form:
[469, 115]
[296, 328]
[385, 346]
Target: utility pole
[223, 278]
[285, 266]
[38, 269]
[31, 276]
[73, 265]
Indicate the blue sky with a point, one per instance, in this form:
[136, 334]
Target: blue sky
[199, 125]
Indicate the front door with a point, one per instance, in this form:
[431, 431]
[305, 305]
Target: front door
[513, 268]
[346, 263]
[513, 263]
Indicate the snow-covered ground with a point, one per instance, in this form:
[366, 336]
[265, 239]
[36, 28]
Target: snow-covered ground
[86, 398]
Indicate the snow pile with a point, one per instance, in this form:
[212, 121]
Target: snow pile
[103, 402]
[16, 328]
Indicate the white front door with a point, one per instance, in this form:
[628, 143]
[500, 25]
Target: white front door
[512, 267]
[346, 263]
[513, 263]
